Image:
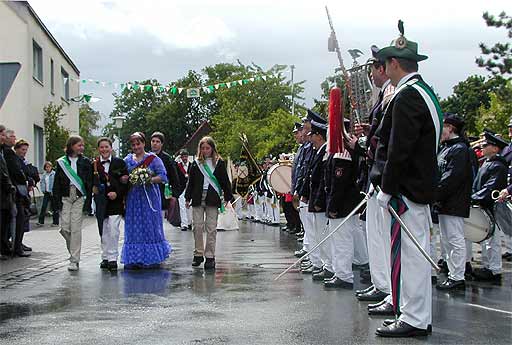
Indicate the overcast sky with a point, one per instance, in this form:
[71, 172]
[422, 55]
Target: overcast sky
[127, 40]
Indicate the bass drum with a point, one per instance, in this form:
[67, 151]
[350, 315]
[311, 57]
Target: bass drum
[479, 226]
[503, 216]
[279, 177]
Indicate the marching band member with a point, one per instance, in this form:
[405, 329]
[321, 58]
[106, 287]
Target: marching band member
[183, 172]
[507, 192]
[321, 259]
[491, 176]
[301, 186]
[342, 196]
[405, 168]
[377, 221]
[298, 160]
[453, 198]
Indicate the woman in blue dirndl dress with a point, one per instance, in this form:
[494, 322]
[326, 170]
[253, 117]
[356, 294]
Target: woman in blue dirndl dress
[144, 240]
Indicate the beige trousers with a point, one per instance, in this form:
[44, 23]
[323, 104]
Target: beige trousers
[71, 223]
[205, 218]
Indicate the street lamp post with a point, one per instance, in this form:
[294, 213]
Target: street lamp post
[118, 123]
[292, 67]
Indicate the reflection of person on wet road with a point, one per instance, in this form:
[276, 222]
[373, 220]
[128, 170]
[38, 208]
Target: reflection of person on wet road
[144, 245]
[208, 184]
[109, 195]
[71, 186]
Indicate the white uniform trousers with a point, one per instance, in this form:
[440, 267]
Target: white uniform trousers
[321, 230]
[238, 207]
[275, 212]
[315, 256]
[507, 242]
[267, 209]
[342, 248]
[491, 253]
[185, 213]
[258, 207]
[307, 225]
[415, 283]
[360, 242]
[110, 238]
[434, 240]
[378, 246]
[452, 229]
[250, 211]
[469, 250]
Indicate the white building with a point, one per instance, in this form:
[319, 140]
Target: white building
[43, 77]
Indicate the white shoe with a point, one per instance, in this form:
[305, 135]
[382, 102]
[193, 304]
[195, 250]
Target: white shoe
[73, 266]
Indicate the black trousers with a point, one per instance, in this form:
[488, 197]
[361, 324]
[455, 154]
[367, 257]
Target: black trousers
[48, 198]
[292, 216]
[5, 230]
[21, 219]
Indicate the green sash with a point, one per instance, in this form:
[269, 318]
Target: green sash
[207, 173]
[71, 174]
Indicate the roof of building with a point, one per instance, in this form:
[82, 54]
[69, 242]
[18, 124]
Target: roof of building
[203, 130]
[49, 34]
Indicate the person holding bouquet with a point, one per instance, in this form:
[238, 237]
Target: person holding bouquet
[144, 245]
[207, 190]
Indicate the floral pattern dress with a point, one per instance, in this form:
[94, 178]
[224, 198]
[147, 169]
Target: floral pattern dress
[144, 239]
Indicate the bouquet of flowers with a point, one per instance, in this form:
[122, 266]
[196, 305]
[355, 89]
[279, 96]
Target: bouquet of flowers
[140, 176]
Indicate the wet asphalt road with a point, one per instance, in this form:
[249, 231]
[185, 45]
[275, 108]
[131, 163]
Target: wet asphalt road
[42, 303]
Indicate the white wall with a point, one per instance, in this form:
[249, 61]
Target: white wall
[23, 107]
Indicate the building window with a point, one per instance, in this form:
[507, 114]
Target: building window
[52, 77]
[38, 147]
[65, 84]
[38, 61]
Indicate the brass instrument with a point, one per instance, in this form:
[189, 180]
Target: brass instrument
[362, 89]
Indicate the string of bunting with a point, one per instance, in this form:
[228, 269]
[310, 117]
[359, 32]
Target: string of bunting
[191, 91]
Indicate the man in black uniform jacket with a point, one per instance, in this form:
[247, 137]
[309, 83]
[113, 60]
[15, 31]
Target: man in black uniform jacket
[491, 176]
[157, 144]
[405, 168]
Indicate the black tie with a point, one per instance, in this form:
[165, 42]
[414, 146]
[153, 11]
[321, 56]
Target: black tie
[104, 162]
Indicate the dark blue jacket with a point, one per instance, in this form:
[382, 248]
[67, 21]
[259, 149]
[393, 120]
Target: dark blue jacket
[491, 176]
[456, 179]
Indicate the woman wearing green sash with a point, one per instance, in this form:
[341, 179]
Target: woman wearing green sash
[72, 187]
[207, 190]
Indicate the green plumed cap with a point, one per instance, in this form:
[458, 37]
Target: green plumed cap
[401, 48]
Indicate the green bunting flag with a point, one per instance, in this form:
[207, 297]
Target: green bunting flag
[172, 89]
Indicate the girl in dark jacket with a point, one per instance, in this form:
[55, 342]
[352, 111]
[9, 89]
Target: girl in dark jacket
[207, 190]
[72, 188]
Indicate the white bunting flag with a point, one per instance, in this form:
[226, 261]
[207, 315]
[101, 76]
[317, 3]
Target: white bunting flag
[180, 89]
[264, 77]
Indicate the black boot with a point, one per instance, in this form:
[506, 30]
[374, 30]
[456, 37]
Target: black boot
[197, 261]
[209, 264]
[104, 264]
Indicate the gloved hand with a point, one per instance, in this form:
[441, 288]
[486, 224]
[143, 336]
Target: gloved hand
[383, 199]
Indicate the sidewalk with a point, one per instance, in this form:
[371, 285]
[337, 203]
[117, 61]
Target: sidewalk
[49, 252]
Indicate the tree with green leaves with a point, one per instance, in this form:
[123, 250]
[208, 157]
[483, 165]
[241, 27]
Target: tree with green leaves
[471, 95]
[497, 115]
[88, 123]
[55, 134]
[230, 108]
[261, 110]
[498, 58]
